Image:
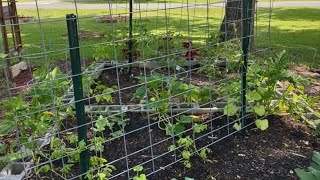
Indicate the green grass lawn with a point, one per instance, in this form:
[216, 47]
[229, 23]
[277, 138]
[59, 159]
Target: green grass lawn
[297, 29]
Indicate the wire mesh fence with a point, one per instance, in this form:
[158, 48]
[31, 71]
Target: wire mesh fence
[130, 90]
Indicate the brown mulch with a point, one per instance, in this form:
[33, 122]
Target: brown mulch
[111, 19]
[305, 71]
[84, 35]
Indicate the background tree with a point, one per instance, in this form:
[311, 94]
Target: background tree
[231, 26]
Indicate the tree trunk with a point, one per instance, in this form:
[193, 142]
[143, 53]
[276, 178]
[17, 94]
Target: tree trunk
[231, 26]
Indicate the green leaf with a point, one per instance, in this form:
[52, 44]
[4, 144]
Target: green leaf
[303, 175]
[138, 168]
[198, 128]
[187, 164]
[186, 154]
[187, 178]
[253, 96]
[42, 169]
[2, 148]
[185, 119]
[260, 110]
[255, 68]
[140, 177]
[262, 124]
[3, 55]
[174, 129]
[171, 147]
[315, 172]
[230, 109]
[203, 153]
[316, 157]
[237, 126]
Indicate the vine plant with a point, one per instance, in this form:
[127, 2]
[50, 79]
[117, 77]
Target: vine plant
[162, 90]
[262, 85]
[29, 119]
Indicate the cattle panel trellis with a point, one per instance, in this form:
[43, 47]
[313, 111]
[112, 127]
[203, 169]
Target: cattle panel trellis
[145, 88]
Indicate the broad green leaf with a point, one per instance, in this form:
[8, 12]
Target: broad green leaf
[171, 147]
[255, 68]
[253, 96]
[185, 119]
[178, 129]
[316, 157]
[315, 172]
[141, 177]
[138, 168]
[187, 164]
[260, 110]
[262, 124]
[3, 55]
[186, 154]
[230, 109]
[303, 175]
[237, 126]
[198, 128]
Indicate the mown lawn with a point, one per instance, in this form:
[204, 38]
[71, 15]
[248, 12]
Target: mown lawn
[297, 28]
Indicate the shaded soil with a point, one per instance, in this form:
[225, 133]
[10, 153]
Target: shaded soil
[272, 154]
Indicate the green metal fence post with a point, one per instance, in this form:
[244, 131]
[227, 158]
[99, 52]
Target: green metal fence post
[78, 88]
[130, 48]
[246, 32]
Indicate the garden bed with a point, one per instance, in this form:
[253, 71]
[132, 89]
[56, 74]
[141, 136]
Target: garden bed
[126, 138]
[272, 154]
[127, 83]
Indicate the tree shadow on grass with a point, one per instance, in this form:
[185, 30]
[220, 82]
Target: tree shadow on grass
[296, 14]
[302, 46]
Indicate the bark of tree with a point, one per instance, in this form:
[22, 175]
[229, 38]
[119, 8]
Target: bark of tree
[231, 26]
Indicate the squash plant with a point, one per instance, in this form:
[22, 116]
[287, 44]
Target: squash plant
[262, 83]
[313, 172]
